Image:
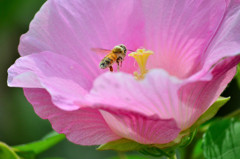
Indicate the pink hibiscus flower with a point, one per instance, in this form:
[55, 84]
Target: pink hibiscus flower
[195, 46]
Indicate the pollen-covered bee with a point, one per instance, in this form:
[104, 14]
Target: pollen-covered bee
[117, 54]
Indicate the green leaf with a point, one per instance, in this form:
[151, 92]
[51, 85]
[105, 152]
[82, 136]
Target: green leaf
[156, 152]
[222, 140]
[39, 146]
[6, 152]
[26, 154]
[212, 111]
[121, 145]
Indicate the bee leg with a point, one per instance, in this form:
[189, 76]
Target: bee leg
[117, 65]
[119, 62]
[111, 68]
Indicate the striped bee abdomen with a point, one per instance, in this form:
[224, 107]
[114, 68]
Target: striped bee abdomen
[108, 60]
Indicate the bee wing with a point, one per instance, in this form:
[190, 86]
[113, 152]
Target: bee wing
[100, 51]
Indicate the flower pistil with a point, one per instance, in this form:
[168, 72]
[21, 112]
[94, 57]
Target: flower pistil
[141, 56]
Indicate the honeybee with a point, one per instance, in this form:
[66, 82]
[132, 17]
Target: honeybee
[117, 54]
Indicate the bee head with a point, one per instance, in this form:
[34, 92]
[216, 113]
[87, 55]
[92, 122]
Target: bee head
[124, 48]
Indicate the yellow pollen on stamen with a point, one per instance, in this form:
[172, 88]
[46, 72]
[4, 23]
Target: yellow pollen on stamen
[141, 56]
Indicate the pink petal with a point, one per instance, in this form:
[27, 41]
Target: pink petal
[226, 42]
[198, 95]
[155, 95]
[72, 28]
[179, 32]
[162, 95]
[85, 126]
[142, 129]
[63, 78]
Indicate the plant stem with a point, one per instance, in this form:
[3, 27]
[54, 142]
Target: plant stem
[173, 156]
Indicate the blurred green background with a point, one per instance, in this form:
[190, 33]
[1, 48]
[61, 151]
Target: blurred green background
[18, 122]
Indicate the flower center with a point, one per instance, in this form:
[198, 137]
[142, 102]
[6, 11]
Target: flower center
[141, 56]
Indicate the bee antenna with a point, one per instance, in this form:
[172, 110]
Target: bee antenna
[130, 50]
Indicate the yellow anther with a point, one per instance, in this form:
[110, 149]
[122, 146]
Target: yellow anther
[141, 56]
